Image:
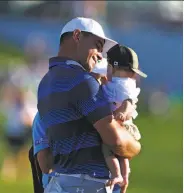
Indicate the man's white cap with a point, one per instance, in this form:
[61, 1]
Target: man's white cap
[91, 26]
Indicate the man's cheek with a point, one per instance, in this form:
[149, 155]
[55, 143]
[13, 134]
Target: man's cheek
[90, 64]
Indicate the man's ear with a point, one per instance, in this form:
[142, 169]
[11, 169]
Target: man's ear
[77, 35]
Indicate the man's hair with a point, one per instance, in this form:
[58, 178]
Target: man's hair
[67, 35]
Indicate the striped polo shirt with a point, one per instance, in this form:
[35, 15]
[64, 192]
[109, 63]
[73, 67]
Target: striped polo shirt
[70, 101]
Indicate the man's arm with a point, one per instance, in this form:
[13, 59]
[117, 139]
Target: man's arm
[98, 111]
[41, 145]
[117, 137]
[45, 160]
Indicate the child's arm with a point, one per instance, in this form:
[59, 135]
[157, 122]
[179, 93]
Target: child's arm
[124, 112]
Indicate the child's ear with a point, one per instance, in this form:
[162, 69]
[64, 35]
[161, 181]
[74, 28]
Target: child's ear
[114, 69]
[134, 75]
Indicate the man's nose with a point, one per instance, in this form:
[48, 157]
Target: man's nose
[99, 56]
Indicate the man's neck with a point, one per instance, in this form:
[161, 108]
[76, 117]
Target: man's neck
[65, 52]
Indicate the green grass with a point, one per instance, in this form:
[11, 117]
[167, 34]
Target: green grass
[10, 54]
[19, 187]
[158, 169]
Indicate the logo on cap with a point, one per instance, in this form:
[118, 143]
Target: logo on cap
[115, 63]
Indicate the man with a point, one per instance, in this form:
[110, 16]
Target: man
[77, 115]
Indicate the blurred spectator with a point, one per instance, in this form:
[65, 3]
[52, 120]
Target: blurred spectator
[18, 105]
[17, 130]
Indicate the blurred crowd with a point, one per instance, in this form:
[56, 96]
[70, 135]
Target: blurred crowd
[19, 82]
[18, 106]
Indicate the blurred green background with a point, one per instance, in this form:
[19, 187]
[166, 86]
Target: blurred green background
[29, 36]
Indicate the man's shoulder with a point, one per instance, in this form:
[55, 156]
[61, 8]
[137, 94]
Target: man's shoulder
[78, 83]
[71, 75]
[88, 87]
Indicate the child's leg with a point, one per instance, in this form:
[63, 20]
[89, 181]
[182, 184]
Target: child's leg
[114, 167]
[125, 170]
[125, 166]
[133, 129]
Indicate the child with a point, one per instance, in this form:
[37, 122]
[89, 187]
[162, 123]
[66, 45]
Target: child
[122, 92]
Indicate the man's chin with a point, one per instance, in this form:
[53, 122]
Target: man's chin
[88, 67]
[91, 67]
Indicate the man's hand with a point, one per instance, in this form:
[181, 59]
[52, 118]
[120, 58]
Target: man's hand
[119, 140]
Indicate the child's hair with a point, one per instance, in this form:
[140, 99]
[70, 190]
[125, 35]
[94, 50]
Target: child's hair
[124, 69]
[121, 68]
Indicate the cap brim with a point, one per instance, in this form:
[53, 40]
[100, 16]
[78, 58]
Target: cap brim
[109, 43]
[140, 73]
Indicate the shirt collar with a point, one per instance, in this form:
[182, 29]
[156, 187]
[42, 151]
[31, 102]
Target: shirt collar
[55, 61]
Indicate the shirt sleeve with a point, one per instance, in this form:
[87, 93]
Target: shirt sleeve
[93, 104]
[40, 140]
[109, 92]
[126, 91]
